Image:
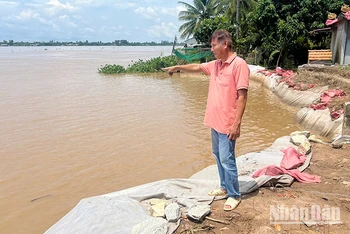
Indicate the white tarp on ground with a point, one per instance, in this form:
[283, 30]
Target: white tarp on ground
[120, 211]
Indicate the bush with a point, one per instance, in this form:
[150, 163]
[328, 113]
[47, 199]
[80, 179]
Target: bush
[141, 66]
[111, 69]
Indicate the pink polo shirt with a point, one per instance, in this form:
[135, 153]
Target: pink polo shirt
[225, 79]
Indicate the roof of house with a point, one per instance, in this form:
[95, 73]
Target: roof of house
[191, 41]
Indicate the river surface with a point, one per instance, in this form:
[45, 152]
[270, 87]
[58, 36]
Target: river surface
[68, 132]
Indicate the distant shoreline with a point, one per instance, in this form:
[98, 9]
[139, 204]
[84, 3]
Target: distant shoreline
[87, 43]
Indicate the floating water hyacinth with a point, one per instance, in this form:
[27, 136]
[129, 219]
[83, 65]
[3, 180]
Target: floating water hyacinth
[141, 66]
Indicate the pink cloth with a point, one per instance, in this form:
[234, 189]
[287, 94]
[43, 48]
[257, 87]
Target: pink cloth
[330, 22]
[292, 158]
[295, 173]
[226, 77]
[347, 15]
[290, 161]
[326, 98]
[335, 93]
[319, 106]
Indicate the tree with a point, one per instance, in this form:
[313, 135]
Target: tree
[207, 27]
[234, 9]
[195, 14]
[283, 28]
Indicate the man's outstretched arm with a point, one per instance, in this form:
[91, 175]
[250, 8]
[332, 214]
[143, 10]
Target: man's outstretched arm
[194, 67]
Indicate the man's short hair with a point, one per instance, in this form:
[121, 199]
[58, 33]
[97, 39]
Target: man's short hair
[222, 36]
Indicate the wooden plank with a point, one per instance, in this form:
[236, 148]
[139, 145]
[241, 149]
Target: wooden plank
[346, 120]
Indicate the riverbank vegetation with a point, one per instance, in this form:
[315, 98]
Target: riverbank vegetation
[266, 32]
[271, 33]
[141, 66]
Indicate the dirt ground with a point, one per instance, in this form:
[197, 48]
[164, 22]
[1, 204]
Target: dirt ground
[333, 77]
[333, 165]
[253, 214]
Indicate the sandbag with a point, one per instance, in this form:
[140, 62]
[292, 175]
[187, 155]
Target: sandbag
[320, 122]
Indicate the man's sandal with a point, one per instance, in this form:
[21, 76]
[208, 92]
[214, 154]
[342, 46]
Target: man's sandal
[217, 192]
[231, 203]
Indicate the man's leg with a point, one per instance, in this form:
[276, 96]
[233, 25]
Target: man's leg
[228, 165]
[215, 147]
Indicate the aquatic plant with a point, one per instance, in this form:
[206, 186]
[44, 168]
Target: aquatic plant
[141, 66]
[112, 69]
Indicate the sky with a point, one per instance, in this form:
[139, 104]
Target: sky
[92, 20]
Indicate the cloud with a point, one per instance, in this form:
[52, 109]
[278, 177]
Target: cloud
[125, 5]
[180, 8]
[112, 30]
[147, 12]
[89, 30]
[72, 25]
[8, 3]
[171, 11]
[154, 12]
[24, 15]
[94, 20]
[164, 29]
[89, 3]
[85, 2]
[37, 17]
[56, 6]
[34, 5]
[65, 19]
[31, 19]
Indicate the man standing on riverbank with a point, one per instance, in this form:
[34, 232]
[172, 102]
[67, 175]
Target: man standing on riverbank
[227, 97]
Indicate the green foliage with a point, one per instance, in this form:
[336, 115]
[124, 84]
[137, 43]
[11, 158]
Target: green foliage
[151, 65]
[247, 37]
[272, 55]
[346, 67]
[208, 26]
[229, 8]
[246, 6]
[112, 69]
[141, 66]
[284, 26]
[195, 14]
[227, 14]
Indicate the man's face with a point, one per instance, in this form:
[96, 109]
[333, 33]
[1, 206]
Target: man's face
[218, 48]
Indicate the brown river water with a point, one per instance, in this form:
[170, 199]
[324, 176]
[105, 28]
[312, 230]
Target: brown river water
[68, 132]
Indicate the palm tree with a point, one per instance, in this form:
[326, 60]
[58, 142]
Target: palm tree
[233, 9]
[193, 15]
